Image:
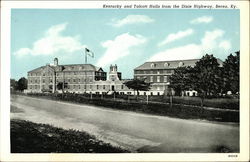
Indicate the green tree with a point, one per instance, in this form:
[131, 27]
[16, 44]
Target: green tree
[59, 86]
[13, 84]
[137, 85]
[231, 70]
[180, 80]
[22, 84]
[206, 77]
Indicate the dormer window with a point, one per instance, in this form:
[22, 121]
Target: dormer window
[181, 64]
[166, 64]
[153, 65]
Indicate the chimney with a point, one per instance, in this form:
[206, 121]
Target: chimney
[56, 61]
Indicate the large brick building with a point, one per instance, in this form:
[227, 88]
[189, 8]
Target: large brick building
[158, 73]
[80, 78]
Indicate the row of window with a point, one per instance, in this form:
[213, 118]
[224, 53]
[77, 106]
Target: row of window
[154, 78]
[74, 80]
[67, 73]
[98, 87]
[161, 71]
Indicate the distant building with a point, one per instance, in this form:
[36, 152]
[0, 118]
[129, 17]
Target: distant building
[80, 78]
[158, 72]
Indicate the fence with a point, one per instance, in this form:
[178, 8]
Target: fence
[156, 105]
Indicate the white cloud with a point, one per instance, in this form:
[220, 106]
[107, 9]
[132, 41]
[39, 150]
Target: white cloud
[226, 45]
[189, 51]
[132, 19]
[53, 42]
[211, 42]
[175, 36]
[203, 19]
[119, 47]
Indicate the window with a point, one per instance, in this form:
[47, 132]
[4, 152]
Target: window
[85, 86]
[97, 86]
[158, 72]
[181, 64]
[122, 87]
[166, 64]
[165, 79]
[44, 80]
[90, 87]
[74, 80]
[151, 78]
[90, 79]
[153, 65]
[158, 78]
[103, 86]
[79, 80]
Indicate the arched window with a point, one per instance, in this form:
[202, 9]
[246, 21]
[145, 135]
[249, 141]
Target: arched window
[153, 65]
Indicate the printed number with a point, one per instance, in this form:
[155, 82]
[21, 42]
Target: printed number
[232, 156]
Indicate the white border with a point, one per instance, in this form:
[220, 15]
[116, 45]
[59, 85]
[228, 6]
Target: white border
[5, 83]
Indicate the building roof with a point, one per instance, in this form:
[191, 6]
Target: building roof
[166, 64]
[169, 64]
[70, 67]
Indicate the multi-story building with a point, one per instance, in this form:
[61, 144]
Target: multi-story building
[79, 78]
[158, 73]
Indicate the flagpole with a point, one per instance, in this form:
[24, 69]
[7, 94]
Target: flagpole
[85, 56]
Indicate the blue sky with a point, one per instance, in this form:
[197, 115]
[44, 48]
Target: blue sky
[126, 37]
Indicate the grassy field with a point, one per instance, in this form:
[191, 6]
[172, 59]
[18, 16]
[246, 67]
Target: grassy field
[28, 137]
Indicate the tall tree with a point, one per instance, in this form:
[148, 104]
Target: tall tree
[231, 70]
[13, 84]
[137, 85]
[22, 84]
[60, 86]
[206, 77]
[180, 81]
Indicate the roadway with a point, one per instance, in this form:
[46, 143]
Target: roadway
[130, 130]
